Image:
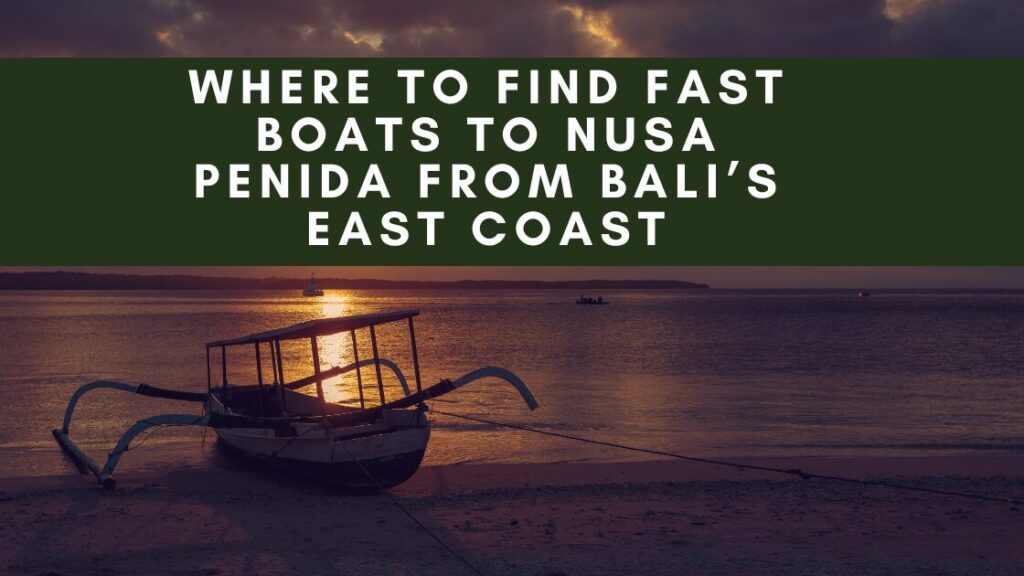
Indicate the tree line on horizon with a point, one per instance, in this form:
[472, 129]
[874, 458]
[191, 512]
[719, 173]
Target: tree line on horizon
[100, 281]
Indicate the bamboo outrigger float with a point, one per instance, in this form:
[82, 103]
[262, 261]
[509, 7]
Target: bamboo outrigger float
[373, 445]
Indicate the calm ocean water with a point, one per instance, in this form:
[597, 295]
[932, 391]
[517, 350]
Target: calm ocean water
[707, 373]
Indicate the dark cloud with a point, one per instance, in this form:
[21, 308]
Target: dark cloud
[526, 28]
[98, 27]
[963, 28]
[537, 28]
[757, 28]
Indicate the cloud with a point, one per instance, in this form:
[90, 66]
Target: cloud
[176, 28]
[101, 27]
[960, 28]
[537, 28]
[739, 28]
[525, 28]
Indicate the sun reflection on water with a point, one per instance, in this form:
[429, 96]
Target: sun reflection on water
[336, 350]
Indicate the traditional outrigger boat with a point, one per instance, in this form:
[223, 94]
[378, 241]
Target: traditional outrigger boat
[370, 445]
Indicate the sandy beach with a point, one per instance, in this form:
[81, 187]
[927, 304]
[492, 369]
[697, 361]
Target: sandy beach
[528, 519]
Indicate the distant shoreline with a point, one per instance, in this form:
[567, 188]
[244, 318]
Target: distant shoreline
[92, 281]
[59, 280]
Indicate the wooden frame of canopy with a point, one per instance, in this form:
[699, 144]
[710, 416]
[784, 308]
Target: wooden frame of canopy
[313, 330]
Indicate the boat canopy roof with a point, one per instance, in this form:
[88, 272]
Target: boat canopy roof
[321, 327]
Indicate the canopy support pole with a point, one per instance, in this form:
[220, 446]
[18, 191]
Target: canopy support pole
[279, 375]
[259, 375]
[359, 373]
[415, 357]
[376, 363]
[316, 373]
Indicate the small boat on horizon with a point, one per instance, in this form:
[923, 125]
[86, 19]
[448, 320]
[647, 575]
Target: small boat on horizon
[863, 294]
[378, 443]
[588, 301]
[311, 289]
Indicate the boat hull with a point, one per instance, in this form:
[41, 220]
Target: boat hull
[375, 461]
[378, 454]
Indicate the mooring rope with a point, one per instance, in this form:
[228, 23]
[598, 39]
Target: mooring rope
[738, 465]
[155, 429]
[398, 504]
[730, 464]
[394, 500]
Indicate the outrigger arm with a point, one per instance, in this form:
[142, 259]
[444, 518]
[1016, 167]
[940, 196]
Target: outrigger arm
[503, 374]
[446, 386]
[104, 474]
[338, 370]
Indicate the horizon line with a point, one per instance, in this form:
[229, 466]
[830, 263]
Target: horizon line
[609, 283]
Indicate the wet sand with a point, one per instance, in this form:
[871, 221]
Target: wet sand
[530, 519]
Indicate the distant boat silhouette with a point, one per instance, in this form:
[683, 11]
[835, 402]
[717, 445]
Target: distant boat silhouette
[863, 294]
[311, 289]
[587, 301]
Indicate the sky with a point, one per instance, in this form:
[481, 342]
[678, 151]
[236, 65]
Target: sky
[603, 28]
[716, 276]
[679, 28]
